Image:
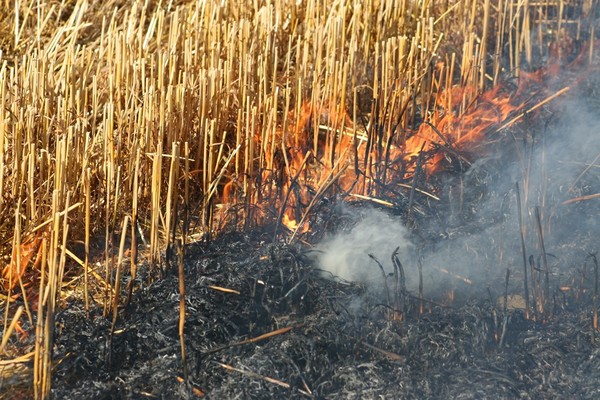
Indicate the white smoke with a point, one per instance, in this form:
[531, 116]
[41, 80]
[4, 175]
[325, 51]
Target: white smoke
[562, 164]
[475, 253]
[346, 254]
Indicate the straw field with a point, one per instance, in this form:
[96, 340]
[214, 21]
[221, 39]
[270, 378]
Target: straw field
[129, 128]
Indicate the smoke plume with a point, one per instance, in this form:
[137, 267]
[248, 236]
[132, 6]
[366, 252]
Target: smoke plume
[475, 243]
[346, 254]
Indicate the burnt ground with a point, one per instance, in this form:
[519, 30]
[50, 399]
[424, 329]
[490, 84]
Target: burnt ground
[329, 339]
[343, 342]
[286, 330]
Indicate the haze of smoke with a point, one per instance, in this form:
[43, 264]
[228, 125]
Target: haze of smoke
[479, 250]
[346, 254]
[484, 250]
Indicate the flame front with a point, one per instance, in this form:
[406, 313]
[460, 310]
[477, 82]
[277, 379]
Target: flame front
[326, 153]
[449, 132]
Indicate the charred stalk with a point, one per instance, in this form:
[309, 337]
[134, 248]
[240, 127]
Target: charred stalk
[523, 251]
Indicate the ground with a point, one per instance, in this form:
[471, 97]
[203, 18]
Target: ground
[342, 342]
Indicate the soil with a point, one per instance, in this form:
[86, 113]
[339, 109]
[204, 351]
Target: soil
[330, 339]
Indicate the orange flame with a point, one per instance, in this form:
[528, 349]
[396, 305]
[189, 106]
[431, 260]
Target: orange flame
[30, 247]
[460, 134]
[463, 125]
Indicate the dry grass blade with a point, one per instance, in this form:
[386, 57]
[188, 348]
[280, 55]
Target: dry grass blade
[195, 390]
[224, 290]
[581, 198]
[262, 377]
[8, 332]
[385, 353]
[255, 375]
[535, 107]
[258, 338]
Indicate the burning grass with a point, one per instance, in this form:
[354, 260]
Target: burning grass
[158, 124]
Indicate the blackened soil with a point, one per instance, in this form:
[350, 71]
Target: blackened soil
[329, 339]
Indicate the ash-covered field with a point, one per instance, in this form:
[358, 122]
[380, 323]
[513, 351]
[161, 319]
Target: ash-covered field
[344, 340]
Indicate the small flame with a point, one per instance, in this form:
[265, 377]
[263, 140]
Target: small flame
[291, 224]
